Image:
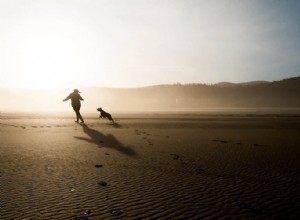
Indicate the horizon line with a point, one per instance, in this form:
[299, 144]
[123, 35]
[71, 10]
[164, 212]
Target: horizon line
[145, 86]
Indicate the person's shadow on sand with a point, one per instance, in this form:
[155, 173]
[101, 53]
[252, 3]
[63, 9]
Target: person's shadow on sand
[102, 140]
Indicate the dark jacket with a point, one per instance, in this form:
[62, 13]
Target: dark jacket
[75, 99]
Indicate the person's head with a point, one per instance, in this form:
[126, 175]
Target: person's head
[76, 91]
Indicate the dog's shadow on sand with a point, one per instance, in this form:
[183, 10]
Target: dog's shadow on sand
[115, 125]
[102, 140]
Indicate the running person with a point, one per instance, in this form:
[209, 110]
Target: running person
[75, 101]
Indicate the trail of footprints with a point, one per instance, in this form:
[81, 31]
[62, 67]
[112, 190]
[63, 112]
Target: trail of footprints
[33, 126]
[102, 184]
[200, 170]
[9, 125]
[145, 136]
[237, 143]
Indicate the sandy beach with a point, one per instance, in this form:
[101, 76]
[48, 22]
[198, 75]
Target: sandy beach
[151, 166]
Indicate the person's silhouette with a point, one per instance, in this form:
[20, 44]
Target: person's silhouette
[75, 101]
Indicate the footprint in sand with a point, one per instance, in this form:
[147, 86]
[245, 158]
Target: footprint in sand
[259, 145]
[102, 183]
[221, 141]
[116, 212]
[175, 156]
[137, 132]
[151, 144]
[87, 212]
[179, 159]
[199, 171]
[145, 134]
[149, 141]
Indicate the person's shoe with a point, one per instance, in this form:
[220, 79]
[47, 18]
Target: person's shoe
[76, 121]
[82, 122]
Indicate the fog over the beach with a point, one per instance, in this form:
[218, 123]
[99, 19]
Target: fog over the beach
[283, 94]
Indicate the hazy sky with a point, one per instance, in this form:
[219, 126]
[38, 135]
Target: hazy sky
[132, 43]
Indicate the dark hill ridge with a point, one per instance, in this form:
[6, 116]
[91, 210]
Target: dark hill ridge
[278, 94]
[229, 84]
[283, 94]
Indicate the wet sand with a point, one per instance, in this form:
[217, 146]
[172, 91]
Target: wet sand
[150, 167]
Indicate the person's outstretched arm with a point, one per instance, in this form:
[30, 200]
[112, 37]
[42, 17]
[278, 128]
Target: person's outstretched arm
[80, 98]
[66, 99]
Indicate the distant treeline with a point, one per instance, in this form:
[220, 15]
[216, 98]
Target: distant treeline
[259, 94]
[282, 94]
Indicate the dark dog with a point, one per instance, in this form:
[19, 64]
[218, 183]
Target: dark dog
[104, 114]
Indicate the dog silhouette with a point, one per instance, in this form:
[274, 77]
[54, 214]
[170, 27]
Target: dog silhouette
[104, 114]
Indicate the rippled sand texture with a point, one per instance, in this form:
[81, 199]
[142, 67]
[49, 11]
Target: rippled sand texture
[150, 167]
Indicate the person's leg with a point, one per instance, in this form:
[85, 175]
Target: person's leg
[77, 113]
[80, 117]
